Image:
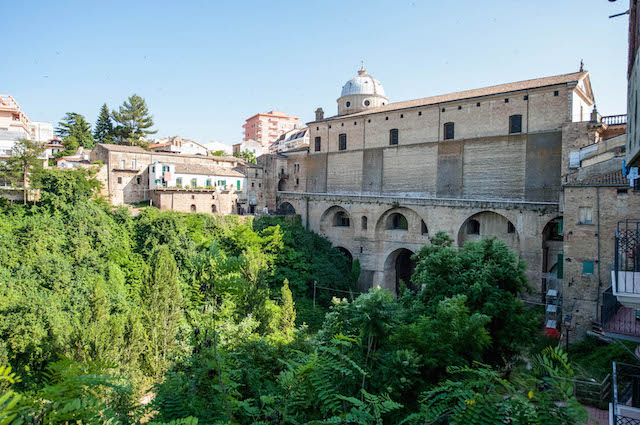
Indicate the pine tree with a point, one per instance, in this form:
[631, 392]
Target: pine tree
[24, 159]
[75, 131]
[163, 310]
[134, 120]
[103, 132]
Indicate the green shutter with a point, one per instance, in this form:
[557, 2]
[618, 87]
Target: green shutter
[587, 267]
[238, 187]
[560, 266]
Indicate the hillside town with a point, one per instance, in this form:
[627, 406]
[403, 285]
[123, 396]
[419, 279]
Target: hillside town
[395, 191]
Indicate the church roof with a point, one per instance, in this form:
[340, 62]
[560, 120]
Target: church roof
[475, 93]
[362, 83]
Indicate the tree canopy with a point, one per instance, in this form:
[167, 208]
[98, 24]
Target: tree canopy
[74, 131]
[134, 120]
[104, 131]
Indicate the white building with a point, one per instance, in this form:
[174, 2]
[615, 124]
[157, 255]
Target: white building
[179, 145]
[291, 140]
[251, 146]
[165, 175]
[216, 146]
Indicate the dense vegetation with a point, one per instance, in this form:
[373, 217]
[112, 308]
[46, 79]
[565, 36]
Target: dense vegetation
[212, 320]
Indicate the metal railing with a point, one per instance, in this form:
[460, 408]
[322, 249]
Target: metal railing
[627, 258]
[618, 320]
[615, 119]
[626, 394]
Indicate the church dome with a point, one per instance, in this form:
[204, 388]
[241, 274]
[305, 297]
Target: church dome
[362, 83]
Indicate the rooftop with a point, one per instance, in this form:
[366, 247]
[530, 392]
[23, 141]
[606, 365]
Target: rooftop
[469, 94]
[209, 170]
[613, 178]
[136, 149]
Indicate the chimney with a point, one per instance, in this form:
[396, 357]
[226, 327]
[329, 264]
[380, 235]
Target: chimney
[319, 114]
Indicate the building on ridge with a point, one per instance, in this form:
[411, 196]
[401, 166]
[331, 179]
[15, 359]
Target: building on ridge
[265, 128]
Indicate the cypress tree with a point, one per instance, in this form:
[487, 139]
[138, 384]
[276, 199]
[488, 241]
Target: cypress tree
[103, 132]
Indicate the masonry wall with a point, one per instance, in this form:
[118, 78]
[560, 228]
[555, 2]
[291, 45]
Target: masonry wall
[204, 201]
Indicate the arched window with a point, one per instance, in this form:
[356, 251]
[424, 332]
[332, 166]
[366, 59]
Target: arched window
[473, 227]
[341, 219]
[364, 222]
[193, 207]
[398, 222]
[393, 136]
[213, 208]
[511, 228]
[423, 227]
[448, 131]
[515, 124]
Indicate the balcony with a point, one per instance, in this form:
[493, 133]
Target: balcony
[615, 119]
[619, 321]
[625, 409]
[625, 277]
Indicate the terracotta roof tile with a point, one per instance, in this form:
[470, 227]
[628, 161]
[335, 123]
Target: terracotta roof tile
[614, 178]
[211, 170]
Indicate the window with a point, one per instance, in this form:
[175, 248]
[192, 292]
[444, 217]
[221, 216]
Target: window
[138, 180]
[153, 169]
[398, 222]
[367, 103]
[368, 120]
[341, 219]
[238, 187]
[318, 143]
[297, 181]
[525, 97]
[386, 118]
[133, 164]
[348, 104]
[119, 180]
[506, 101]
[448, 131]
[587, 267]
[253, 184]
[355, 123]
[208, 184]
[473, 227]
[193, 207]
[586, 215]
[556, 93]
[393, 136]
[342, 142]
[342, 124]
[419, 113]
[622, 191]
[443, 109]
[213, 209]
[423, 228]
[122, 166]
[511, 228]
[179, 181]
[401, 115]
[459, 108]
[515, 124]
[194, 182]
[477, 104]
[364, 222]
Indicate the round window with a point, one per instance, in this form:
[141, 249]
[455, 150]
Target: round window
[367, 103]
[348, 104]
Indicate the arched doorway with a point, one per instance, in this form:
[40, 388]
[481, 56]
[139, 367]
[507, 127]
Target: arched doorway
[488, 224]
[346, 253]
[282, 185]
[399, 266]
[552, 255]
[286, 208]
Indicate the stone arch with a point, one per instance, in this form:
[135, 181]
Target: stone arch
[336, 217]
[385, 222]
[552, 252]
[282, 185]
[346, 253]
[286, 208]
[193, 207]
[487, 224]
[399, 266]
[397, 221]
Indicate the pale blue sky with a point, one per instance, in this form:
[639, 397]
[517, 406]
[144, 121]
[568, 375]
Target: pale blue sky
[205, 66]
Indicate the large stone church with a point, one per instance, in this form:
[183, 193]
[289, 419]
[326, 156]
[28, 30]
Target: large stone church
[380, 178]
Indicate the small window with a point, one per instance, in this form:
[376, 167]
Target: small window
[442, 109]
[364, 222]
[525, 97]
[119, 180]
[386, 118]
[622, 191]
[329, 126]
[259, 184]
[253, 184]
[342, 142]
[179, 181]
[138, 180]
[194, 183]
[515, 124]
[342, 124]
[473, 227]
[318, 144]
[355, 123]
[297, 181]
[506, 101]
[193, 207]
[393, 136]
[401, 115]
[368, 120]
[317, 128]
[133, 164]
[459, 108]
[153, 169]
[587, 267]
[419, 113]
[122, 165]
[348, 104]
[423, 228]
[586, 215]
[213, 209]
[478, 104]
[367, 103]
[448, 131]
[556, 93]
[511, 228]
[341, 219]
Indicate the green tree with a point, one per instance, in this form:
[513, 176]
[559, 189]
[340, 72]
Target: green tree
[103, 131]
[288, 313]
[134, 120]
[24, 160]
[219, 153]
[163, 309]
[246, 155]
[75, 131]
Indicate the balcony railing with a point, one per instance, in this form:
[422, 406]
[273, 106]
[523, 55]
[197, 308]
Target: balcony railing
[626, 394]
[619, 321]
[615, 119]
[626, 274]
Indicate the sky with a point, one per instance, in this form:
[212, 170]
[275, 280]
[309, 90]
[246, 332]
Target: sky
[204, 67]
